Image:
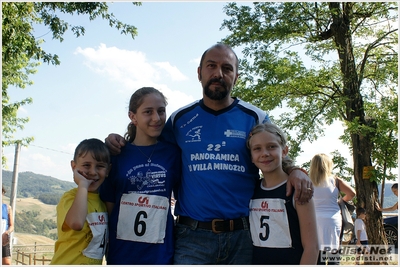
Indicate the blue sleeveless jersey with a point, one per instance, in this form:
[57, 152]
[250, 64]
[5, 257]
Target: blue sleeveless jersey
[275, 253]
[218, 177]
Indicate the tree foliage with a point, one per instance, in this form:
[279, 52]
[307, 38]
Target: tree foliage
[22, 52]
[50, 198]
[351, 76]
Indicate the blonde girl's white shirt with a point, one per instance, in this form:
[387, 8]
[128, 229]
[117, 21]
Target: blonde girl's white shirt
[325, 199]
[327, 211]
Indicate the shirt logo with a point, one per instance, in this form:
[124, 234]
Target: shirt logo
[264, 205]
[235, 134]
[194, 134]
[150, 179]
[101, 218]
[143, 200]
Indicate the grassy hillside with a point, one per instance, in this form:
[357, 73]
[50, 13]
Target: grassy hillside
[36, 185]
[42, 212]
[29, 239]
[45, 212]
[31, 204]
[35, 206]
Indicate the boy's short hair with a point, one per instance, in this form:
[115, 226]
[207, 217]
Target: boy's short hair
[96, 147]
[360, 211]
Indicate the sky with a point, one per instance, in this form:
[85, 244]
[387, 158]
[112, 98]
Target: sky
[87, 95]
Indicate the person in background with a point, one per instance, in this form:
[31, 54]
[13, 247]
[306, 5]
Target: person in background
[218, 178]
[360, 231]
[7, 227]
[283, 231]
[81, 216]
[329, 223]
[139, 188]
[395, 206]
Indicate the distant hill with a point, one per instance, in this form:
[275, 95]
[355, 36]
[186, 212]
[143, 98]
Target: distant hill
[45, 188]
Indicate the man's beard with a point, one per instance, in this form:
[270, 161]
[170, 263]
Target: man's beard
[219, 93]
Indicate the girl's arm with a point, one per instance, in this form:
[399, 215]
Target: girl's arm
[392, 208]
[76, 215]
[10, 221]
[5, 237]
[308, 232]
[358, 234]
[357, 231]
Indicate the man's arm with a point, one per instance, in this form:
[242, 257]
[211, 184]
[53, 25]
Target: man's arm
[303, 187]
[114, 142]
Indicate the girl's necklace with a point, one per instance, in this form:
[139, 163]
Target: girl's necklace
[148, 158]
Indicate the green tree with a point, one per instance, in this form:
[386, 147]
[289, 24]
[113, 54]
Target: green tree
[352, 78]
[22, 52]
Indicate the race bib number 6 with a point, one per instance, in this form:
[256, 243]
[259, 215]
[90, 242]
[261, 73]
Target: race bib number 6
[142, 218]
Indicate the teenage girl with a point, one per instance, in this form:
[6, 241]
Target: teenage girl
[138, 190]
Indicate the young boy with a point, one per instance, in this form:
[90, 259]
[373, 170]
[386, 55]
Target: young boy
[81, 215]
[361, 233]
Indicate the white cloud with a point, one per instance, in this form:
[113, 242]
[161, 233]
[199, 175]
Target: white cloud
[130, 68]
[173, 71]
[42, 160]
[133, 70]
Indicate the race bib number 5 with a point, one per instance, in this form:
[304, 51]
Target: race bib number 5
[269, 226]
[142, 218]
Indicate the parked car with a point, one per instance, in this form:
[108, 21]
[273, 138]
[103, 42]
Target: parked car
[390, 225]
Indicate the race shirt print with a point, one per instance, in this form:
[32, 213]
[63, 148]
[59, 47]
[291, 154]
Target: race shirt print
[142, 218]
[98, 223]
[269, 226]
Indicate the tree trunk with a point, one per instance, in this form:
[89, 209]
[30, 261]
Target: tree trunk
[366, 191]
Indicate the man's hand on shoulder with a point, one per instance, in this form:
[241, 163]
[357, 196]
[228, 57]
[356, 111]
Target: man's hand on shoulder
[114, 142]
[303, 187]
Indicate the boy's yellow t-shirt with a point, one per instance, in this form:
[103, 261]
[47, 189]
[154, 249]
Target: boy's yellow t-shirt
[88, 245]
